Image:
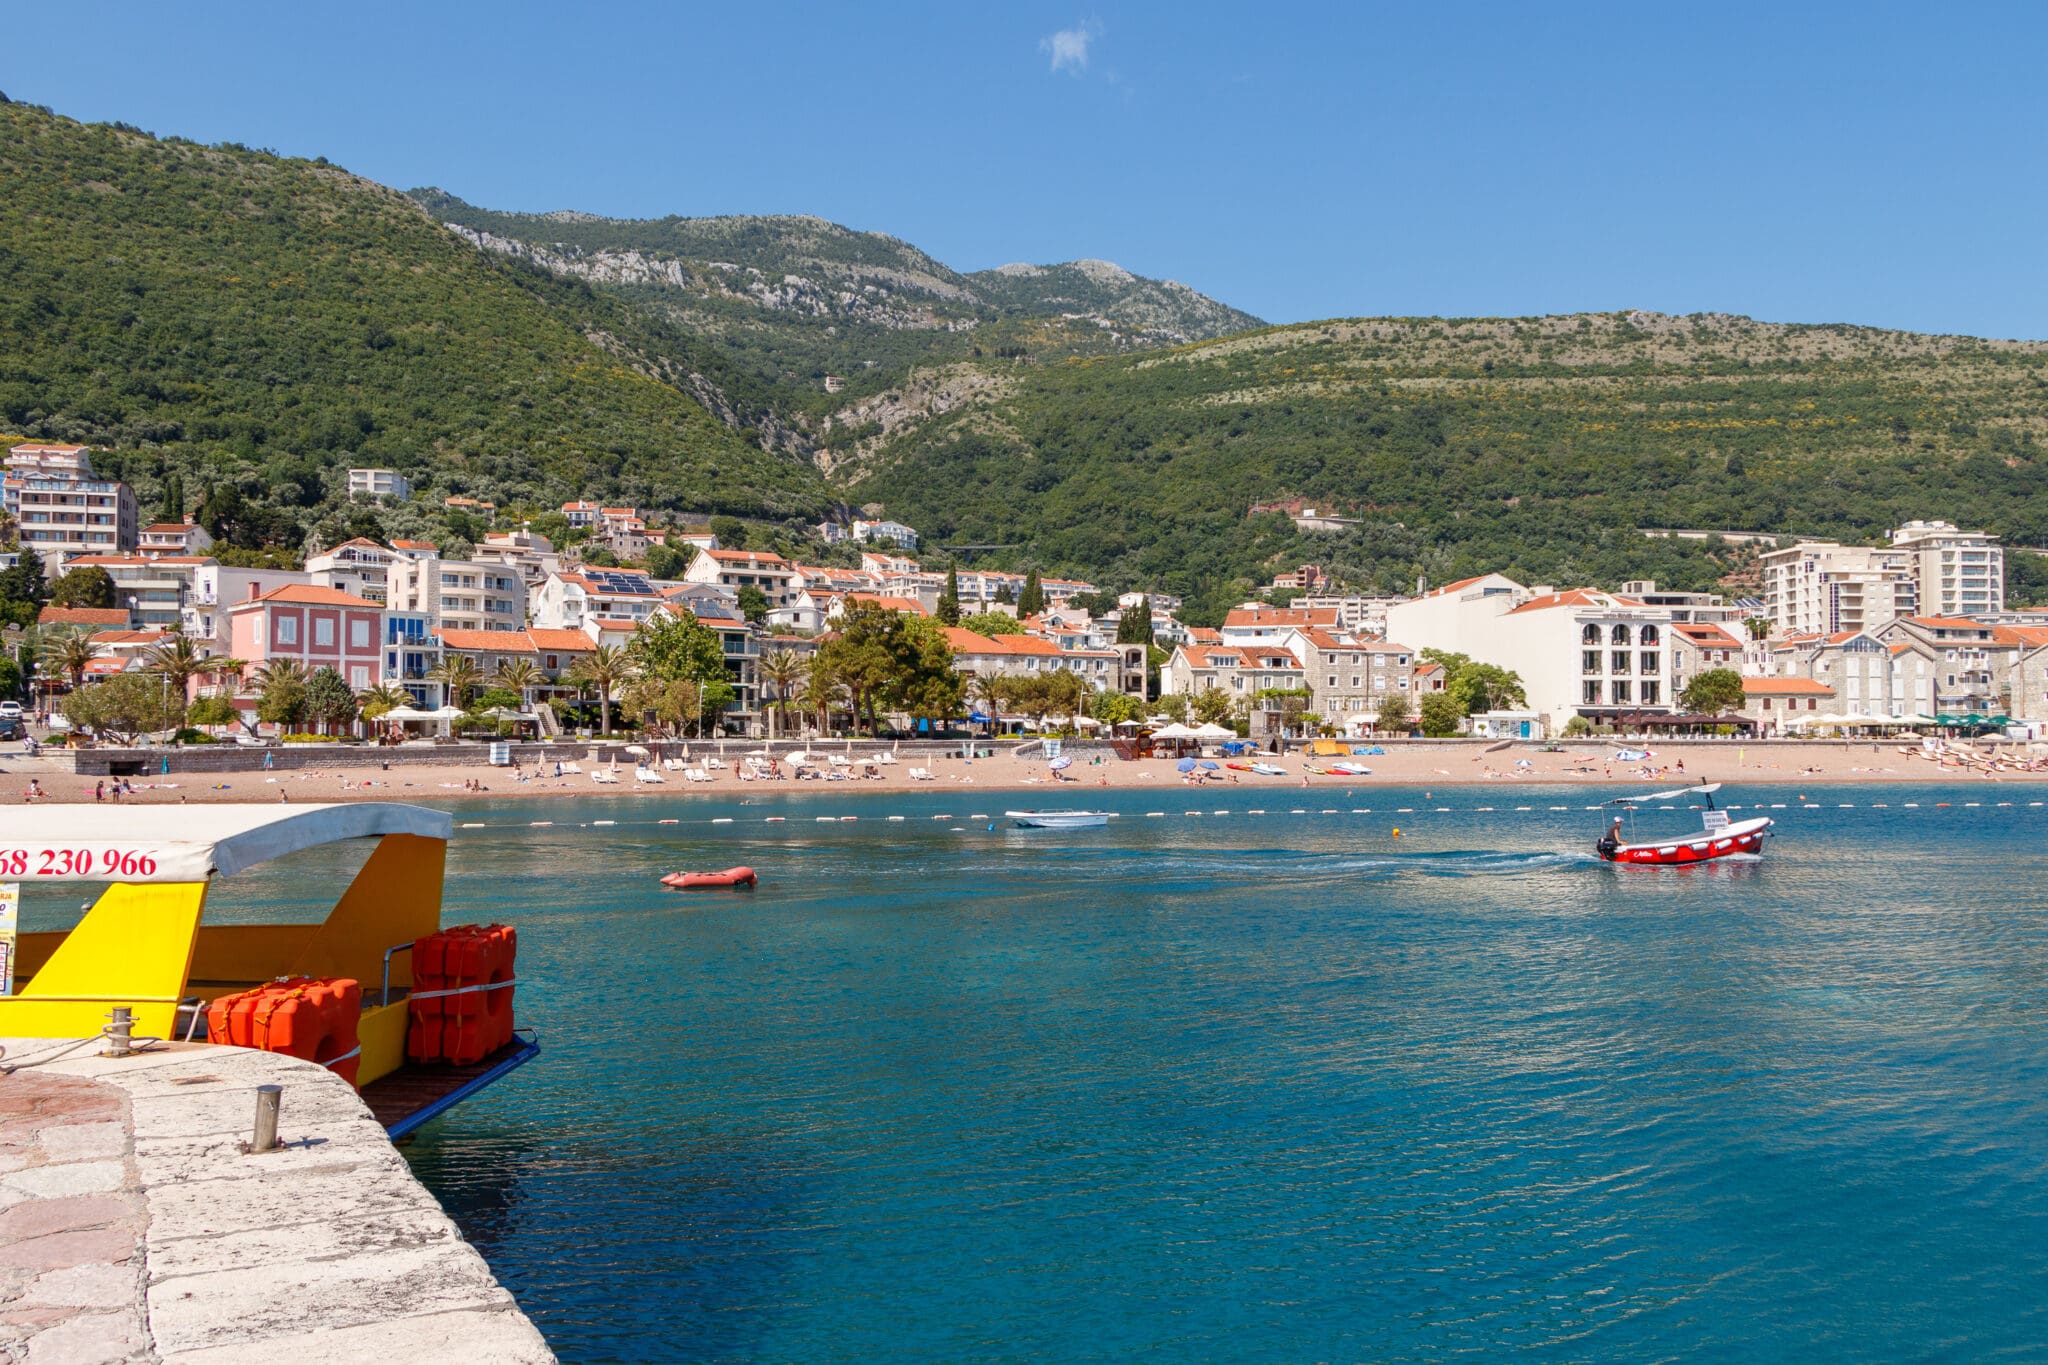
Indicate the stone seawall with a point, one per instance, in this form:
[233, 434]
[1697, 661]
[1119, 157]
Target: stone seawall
[134, 1227]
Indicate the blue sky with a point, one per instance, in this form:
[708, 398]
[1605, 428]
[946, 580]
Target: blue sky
[1875, 164]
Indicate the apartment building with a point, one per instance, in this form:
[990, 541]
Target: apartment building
[1255, 623]
[62, 510]
[893, 532]
[1955, 572]
[216, 587]
[1700, 647]
[317, 627]
[775, 577]
[360, 566]
[1819, 587]
[153, 591]
[1781, 705]
[570, 600]
[378, 483]
[1349, 678]
[1969, 663]
[1241, 671]
[458, 594]
[1868, 676]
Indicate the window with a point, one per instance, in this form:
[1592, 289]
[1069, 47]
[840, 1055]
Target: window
[1356, 679]
[1648, 637]
[1619, 635]
[1653, 693]
[1647, 663]
[1621, 691]
[1333, 680]
[1589, 662]
[323, 631]
[1590, 635]
[1591, 694]
[1618, 663]
[288, 631]
[359, 677]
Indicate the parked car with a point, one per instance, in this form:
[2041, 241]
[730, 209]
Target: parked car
[10, 710]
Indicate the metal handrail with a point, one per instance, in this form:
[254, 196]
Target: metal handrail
[394, 948]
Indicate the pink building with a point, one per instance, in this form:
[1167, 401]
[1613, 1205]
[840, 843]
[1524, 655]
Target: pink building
[319, 627]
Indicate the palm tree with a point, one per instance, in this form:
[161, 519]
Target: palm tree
[67, 652]
[460, 674]
[603, 669]
[280, 671]
[521, 675]
[782, 670]
[379, 701]
[180, 661]
[820, 693]
[987, 689]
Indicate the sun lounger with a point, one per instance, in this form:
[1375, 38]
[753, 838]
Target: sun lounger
[921, 775]
[643, 773]
[603, 777]
[696, 775]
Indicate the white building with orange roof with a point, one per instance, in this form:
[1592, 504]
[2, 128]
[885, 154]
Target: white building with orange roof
[1969, 662]
[1257, 623]
[581, 515]
[1239, 671]
[564, 601]
[769, 573]
[154, 591]
[360, 566]
[175, 538]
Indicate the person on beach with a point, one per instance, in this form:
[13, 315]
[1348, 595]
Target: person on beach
[99, 791]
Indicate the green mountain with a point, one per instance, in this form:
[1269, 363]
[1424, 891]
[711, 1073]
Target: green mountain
[1540, 446]
[774, 306]
[237, 317]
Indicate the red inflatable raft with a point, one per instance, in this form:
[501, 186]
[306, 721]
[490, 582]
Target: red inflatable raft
[699, 881]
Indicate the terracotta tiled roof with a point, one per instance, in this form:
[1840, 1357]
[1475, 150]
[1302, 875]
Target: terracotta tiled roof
[765, 558]
[1802, 687]
[1709, 635]
[1947, 623]
[1282, 616]
[908, 604]
[83, 616]
[1576, 597]
[559, 640]
[306, 594]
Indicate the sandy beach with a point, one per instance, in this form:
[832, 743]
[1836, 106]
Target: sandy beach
[1405, 764]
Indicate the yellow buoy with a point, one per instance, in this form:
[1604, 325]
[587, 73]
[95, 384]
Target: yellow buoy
[1397, 833]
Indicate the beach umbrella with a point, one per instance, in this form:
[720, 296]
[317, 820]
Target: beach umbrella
[1174, 731]
[1212, 731]
[406, 713]
[1212, 767]
[1062, 763]
[1186, 765]
[637, 750]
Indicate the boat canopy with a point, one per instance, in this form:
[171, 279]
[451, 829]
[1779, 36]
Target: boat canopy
[188, 843]
[1700, 789]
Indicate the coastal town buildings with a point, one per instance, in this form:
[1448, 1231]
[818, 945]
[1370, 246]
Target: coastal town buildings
[1955, 572]
[574, 598]
[1818, 587]
[175, 538]
[360, 566]
[456, 594]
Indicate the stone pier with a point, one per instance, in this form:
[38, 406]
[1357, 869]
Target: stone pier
[134, 1227]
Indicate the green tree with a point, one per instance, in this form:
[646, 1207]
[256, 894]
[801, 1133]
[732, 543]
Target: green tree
[1714, 692]
[1392, 715]
[328, 699]
[1478, 686]
[1134, 627]
[123, 707]
[862, 656]
[1114, 708]
[211, 711]
[949, 600]
[988, 693]
[1441, 712]
[1214, 706]
[676, 645]
[1031, 601]
[10, 678]
[23, 589]
[182, 662]
[666, 561]
[731, 532]
[90, 586]
[281, 694]
[753, 604]
[992, 623]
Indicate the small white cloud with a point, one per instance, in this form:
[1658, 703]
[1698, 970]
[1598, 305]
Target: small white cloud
[1068, 48]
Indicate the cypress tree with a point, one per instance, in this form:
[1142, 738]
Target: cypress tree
[1031, 601]
[949, 600]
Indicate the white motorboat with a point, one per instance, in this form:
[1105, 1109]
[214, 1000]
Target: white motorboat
[1058, 819]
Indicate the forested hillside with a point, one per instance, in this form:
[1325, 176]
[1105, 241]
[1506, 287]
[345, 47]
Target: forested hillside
[244, 318]
[1537, 445]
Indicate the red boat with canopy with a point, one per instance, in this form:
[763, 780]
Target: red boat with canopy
[1719, 838]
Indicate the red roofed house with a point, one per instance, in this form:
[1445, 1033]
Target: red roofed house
[173, 538]
[1698, 648]
[318, 627]
[1969, 666]
[93, 618]
[1350, 677]
[1238, 670]
[1256, 625]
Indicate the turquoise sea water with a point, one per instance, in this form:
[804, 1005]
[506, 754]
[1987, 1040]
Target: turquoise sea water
[1272, 1088]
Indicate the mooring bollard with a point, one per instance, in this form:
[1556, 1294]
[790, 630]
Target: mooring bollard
[267, 1100]
[120, 1032]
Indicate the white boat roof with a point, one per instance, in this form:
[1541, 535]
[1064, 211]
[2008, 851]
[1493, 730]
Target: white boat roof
[188, 843]
[1698, 789]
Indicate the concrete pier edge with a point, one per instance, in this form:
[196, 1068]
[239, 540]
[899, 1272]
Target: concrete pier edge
[133, 1226]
